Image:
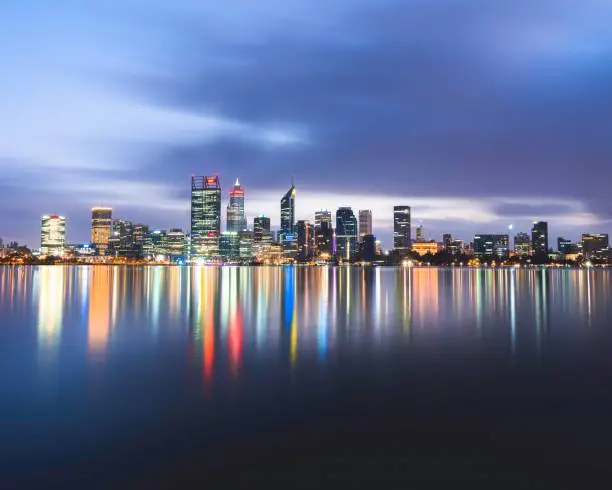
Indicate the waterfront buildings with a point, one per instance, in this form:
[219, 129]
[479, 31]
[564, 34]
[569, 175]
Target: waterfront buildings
[305, 240]
[101, 228]
[365, 223]
[401, 229]
[236, 219]
[420, 233]
[595, 245]
[522, 245]
[368, 248]
[121, 242]
[346, 233]
[205, 216]
[52, 235]
[426, 247]
[287, 217]
[539, 239]
[175, 244]
[491, 246]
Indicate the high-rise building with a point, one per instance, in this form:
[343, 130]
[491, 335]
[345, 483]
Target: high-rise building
[346, 233]
[101, 228]
[539, 239]
[159, 242]
[486, 246]
[324, 240]
[595, 244]
[420, 233]
[304, 240]
[401, 229]
[261, 229]
[205, 216]
[52, 235]
[522, 245]
[365, 222]
[236, 219]
[287, 205]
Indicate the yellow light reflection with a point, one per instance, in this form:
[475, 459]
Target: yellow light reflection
[99, 314]
[50, 308]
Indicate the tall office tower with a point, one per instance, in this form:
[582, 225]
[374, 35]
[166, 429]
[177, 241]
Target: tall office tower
[52, 235]
[368, 248]
[522, 245]
[205, 216]
[420, 233]
[496, 246]
[121, 241]
[401, 229]
[365, 223]
[287, 204]
[346, 233]
[101, 228]
[175, 243]
[245, 246]
[595, 244]
[539, 239]
[304, 240]
[261, 229]
[236, 219]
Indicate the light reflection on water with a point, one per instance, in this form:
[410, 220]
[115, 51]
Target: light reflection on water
[227, 318]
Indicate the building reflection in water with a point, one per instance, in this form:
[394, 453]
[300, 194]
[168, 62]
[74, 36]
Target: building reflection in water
[51, 281]
[99, 313]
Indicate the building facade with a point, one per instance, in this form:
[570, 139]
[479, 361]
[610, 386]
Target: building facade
[539, 239]
[595, 245]
[53, 235]
[491, 246]
[401, 229]
[522, 245]
[287, 214]
[205, 216]
[365, 223]
[236, 219]
[101, 228]
[261, 229]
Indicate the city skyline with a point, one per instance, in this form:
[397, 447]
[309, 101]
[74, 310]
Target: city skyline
[493, 116]
[223, 206]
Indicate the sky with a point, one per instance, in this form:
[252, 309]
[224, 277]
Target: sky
[476, 113]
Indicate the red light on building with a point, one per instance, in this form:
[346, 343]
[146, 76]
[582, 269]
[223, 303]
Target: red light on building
[212, 234]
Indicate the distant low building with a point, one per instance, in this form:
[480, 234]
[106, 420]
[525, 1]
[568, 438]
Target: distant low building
[426, 247]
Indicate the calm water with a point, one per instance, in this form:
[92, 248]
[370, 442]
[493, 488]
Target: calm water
[110, 375]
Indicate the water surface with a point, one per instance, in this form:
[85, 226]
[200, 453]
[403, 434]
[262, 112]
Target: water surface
[122, 375]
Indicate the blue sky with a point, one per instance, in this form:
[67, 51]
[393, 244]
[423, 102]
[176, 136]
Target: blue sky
[478, 114]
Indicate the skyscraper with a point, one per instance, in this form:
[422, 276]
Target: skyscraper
[401, 229]
[236, 220]
[261, 229]
[101, 228]
[287, 224]
[52, 235]
[324, 239]
[121, 242]
[205, 216]
[365, 223]
[346, 233]
[539, 239]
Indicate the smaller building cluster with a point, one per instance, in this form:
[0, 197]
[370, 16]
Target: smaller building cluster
[345, 238]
